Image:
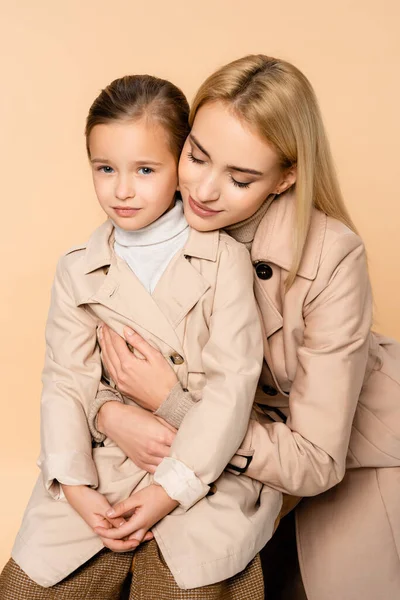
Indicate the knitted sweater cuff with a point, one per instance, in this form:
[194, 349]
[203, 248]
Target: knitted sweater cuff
[176, 405]
[102, 397]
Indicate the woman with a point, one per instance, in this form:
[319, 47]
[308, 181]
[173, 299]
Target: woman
[329, 395]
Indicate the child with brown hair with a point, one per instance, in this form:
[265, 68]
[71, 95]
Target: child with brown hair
[189, 293]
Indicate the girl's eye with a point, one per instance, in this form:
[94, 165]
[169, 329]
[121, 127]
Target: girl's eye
[240, 184]
[195, 160]
[106, 169]
[145, 170]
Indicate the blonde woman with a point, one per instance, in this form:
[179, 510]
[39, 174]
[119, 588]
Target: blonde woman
[328, 404]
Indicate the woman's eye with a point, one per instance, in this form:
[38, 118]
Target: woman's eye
[240, 184]
[106, 169]
[195, 160]
[145, 171]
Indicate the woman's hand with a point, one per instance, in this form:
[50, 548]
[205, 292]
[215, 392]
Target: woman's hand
[148, 381]
[142, 436]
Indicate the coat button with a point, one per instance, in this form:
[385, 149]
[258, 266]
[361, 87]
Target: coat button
[269, 390]
[263, 270]
[212, 490]
[176, 359]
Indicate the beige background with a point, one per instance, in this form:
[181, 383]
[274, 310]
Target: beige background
[56, 56]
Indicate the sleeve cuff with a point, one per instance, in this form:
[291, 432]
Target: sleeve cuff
[76, 468]
[176, 405]
[180, 482]
[102, 397]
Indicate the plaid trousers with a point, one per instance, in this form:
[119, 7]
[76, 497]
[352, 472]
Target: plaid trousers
[104, 577]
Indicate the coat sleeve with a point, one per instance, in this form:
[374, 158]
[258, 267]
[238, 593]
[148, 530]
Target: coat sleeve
[214, 427]
[307, 455]
[71, 377]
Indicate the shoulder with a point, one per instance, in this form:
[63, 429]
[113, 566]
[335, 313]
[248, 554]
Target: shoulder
[230, 247]
[71, 258]
[342, 262]
[214, 246]
[86, 256]
[234, 261]
[339, 242]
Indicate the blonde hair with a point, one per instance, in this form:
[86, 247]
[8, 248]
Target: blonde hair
[276, 99]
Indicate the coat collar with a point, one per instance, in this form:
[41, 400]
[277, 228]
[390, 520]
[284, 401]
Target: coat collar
[179, 289]
[273, 241]
[99, 250]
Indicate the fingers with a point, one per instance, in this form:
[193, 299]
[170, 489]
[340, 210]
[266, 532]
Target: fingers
[110, 362]
[150, 468]
[118, 522]
[149, 536]
[158, 451]
[113, 363]
[168, 426]
[169, 438]
[120, 545]
[137, 342]
[122, 508]
[138, 535]
[118, 534]
[119, 345]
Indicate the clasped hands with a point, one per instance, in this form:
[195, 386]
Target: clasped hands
[124, 526]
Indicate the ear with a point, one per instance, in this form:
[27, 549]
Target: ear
[288, 179]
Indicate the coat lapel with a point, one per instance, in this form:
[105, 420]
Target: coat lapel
[273, 244]
[182, 285]
[123, 293]
[107, 280]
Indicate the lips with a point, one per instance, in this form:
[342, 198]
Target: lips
[125, 211]
[201, 210]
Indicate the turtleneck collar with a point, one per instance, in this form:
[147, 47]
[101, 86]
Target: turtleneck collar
[168, 226]
[244, 231]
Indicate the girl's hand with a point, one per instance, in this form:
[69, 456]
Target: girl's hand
[148, 381]
[142, 510]
[92, 507]
[143, 437]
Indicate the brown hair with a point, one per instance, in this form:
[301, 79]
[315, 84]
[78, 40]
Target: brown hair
[135, 96]
[276, 99]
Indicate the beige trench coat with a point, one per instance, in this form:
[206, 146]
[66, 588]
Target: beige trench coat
[329, 399]
[203, 309]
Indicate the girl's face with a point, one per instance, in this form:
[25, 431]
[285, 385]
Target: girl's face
[226, 170]
[134, 171]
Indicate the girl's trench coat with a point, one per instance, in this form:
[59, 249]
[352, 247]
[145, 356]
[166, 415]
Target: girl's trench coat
[202, 316]
[329, 400]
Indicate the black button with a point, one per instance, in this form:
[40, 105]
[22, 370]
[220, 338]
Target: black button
[268, 389]
[176, 359]
[263, 270]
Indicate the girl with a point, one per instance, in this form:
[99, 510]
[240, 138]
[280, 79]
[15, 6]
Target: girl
[145, 268]
[329, 395]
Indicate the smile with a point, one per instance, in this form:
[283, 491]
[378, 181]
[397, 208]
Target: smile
[200, 210]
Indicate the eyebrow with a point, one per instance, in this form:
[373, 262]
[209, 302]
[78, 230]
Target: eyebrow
[230, 167]
[134, 162]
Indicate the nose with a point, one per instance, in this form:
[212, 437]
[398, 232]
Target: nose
[125, 188]
[207, 188]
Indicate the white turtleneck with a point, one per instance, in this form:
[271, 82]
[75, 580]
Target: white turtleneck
[148, 251]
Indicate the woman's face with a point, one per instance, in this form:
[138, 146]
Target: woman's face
[226, 170]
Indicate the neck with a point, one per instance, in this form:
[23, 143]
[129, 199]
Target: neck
[165, 227]
[244, 231]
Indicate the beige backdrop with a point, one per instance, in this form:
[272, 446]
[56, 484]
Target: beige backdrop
[56, 56]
